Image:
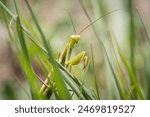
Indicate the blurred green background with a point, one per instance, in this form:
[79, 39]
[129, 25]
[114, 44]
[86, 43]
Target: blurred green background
[123, 25]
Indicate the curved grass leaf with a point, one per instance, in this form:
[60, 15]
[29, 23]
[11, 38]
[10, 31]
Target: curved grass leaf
[27, 66]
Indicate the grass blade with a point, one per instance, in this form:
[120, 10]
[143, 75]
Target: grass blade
[60, 84]
[85, 92]
[27, 66]
[131, 34]
[95, 79]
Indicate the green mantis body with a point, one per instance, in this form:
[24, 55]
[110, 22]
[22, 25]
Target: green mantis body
[65, 58]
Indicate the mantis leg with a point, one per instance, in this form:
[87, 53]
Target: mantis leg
[65, 56]
[81, 57]
[43, 87]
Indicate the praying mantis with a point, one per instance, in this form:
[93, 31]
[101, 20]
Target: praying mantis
[65, 57]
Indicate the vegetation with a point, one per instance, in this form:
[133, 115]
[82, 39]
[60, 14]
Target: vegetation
[109, 69]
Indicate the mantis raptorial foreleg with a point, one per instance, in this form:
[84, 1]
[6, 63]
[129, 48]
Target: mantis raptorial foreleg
[65, 56]
[81, 57]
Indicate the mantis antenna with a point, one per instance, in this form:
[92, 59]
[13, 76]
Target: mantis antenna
[97, 20]
[72, 22]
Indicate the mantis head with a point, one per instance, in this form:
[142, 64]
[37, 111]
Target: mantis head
[74, 39]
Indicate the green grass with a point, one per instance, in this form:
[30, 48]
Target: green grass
[125, 73]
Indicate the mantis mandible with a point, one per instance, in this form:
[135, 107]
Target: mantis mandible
[64, 57]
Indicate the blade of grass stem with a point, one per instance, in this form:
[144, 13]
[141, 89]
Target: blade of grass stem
[95, 79]
[131, 34]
